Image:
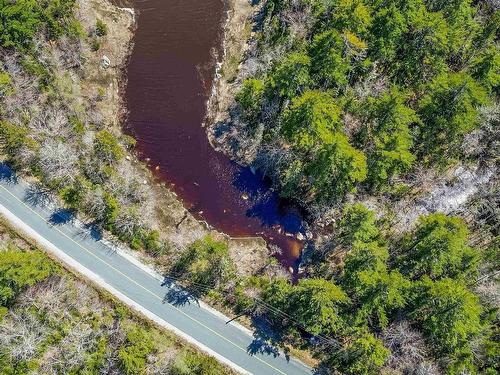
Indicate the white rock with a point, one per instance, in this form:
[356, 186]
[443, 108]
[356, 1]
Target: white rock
[105, 62]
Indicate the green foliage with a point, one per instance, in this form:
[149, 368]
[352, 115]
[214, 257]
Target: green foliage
[195, 364]
[368, 257]
[95, 360]
[19, 270]
[111, 211]
[277, 293]
[13, 136]
[21, 20]
[328, 66]
[358, 224]
[134, 352]
[206, 262]
[388, 130]
[107, 147]
[336, 169]
[448, 313]
[363, 355]
[290, 76]
[329, 166]
[5, 85]
[486, 68]
[311, 121]
[353, 15]
[448, 111]
[410, 40]
[77, 124]
[73, 194]
[400, 80]
[379, 295]
[438, 248]
[376, 292]
[101, 29]
[250, 98]
[316, 304]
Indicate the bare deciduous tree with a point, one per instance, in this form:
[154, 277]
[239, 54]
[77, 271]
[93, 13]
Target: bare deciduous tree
[21, 333]
[408, 351]
[58, 161]
[50, 123]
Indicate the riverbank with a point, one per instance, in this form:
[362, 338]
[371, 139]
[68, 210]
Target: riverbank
[170, 218]
[237, 33]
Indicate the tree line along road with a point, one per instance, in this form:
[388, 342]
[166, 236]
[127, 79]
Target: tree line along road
[162, 302]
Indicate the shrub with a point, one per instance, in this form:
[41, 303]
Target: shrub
[206, 262]
[19, 270]
[101, 29]
[133, 354]
[107, 147]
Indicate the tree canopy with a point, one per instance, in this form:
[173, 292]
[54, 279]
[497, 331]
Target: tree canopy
[438, 248]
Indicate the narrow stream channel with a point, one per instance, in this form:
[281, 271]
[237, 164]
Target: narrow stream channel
[170, 75]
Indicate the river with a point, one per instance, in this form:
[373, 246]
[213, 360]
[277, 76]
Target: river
[170, 75]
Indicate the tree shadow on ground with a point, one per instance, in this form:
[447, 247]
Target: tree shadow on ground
[37, 195]
[7, 174]
[62, 216]
[177, 295]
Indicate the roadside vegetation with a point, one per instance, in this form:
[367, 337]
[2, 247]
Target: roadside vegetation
[53, 323]
[54, 122]
[425, 303]
[359, 111]
[338, 102]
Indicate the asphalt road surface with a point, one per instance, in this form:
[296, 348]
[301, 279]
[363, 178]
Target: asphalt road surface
[163, 302]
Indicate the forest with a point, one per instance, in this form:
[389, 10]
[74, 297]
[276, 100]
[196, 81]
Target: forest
[340, 100]
[345, 96]
[347, 103]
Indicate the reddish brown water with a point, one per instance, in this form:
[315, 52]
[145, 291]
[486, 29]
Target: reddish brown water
[169, 79]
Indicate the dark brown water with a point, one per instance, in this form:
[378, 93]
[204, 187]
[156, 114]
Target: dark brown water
[170, 75]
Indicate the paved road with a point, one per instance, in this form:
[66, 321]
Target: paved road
[228, 342]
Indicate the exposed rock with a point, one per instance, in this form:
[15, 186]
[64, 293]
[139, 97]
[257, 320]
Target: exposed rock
[105, 62]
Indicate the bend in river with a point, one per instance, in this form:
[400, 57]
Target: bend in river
[170, 74]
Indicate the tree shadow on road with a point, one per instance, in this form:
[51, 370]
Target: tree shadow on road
[266, 340]
[62, 216]
[177, 295]
[7, 174]
[91, 231]
[37, 195]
